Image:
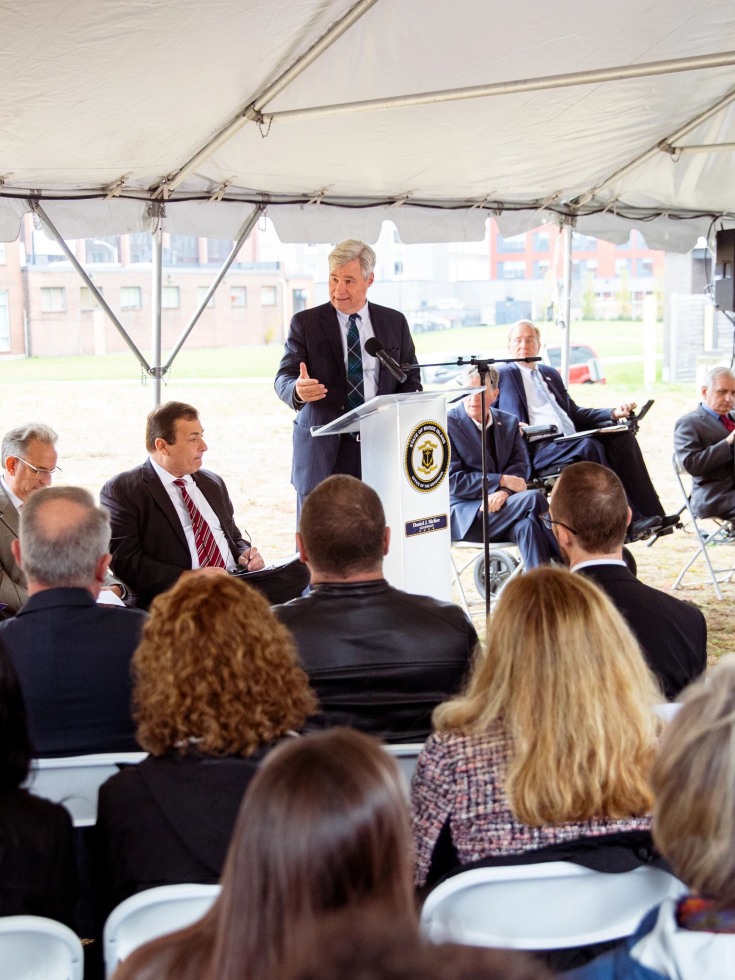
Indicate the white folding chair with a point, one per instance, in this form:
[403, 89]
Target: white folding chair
[503, 565]
[150, 914]
[35, 948]
[406, 755]
[705, 540]
[75, 780]
[551, 905]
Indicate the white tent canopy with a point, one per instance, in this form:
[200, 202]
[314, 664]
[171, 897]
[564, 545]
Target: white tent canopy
[334, 115]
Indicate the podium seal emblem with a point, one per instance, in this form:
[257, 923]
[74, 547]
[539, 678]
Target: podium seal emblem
[426, 456]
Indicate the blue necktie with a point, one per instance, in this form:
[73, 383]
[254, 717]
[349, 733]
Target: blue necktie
[355, 389]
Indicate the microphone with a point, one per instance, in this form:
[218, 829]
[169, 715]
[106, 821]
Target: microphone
[373, 347]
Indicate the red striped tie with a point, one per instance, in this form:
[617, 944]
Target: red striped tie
[207, 550]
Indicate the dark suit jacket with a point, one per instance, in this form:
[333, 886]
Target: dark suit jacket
[699, 440]
[510, 457]
[166, 821]
[148, 545]
[512, 397]
[672, 633]
[72, 656]
[378, 658]
[13, 586]
[38, 873]
[314, 338]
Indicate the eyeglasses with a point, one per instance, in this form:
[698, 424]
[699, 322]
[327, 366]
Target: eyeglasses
[548, 523]
[39, 470]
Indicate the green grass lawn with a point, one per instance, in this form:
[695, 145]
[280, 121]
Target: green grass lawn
[607, 338]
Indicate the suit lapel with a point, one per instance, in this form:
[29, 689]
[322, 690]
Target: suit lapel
[515, 374]
[330, 329]
[160, 495]
[8, 514]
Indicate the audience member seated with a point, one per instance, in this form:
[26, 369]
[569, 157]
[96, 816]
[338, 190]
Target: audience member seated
[375, 947]
[513, 511]
[169, 515]
[217, 685]
[704, 441]
[72, 655]
[38, 873]
[378, 658]
[693, 780]
[551, 740]
[323, 827]
[589, 515]
[536, 395]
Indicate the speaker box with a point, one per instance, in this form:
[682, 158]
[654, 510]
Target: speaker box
[725, 270]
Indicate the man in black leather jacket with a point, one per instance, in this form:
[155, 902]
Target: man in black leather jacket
[378, 658]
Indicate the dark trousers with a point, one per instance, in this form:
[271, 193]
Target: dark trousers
[519, 520]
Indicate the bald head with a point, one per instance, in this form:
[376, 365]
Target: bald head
[64, 540]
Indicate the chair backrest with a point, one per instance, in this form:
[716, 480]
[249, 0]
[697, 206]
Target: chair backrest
[35, 948]
[551, 905]
[75, 781]
[151, 914]
[406, 755]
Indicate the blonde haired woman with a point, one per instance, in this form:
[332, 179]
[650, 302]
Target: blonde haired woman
[551, 740]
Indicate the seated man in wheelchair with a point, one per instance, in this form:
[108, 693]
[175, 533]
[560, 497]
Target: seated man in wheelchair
[536, 395]
[514, 512]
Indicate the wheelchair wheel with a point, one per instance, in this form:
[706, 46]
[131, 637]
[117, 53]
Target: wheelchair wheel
[501, 565]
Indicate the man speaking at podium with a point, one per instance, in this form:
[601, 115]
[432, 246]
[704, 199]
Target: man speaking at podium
[325, 370]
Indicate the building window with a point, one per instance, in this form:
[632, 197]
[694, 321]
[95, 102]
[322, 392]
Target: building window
[511, 270]
[102, 250]
[517, 243]
[170, 298]
[583, 243]
[87, 299]
[218, 249]
[131, 298]
[141, 247]
[644, 267]
[398, 268]
[591, 266]
[238, 295]
[53, 299]
[540, 269]
[299, 299]
[182, 250]
[4, 321]
[267, 295]
[201, 293]
[541, 241]
[621, 266]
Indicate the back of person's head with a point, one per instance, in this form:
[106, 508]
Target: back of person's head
[693, 779]
[63, 536]
[566, 678]
[342, 527]
[17, 441]
[590, 499]
[350, 250]
[15, 743]
[323, 827]
[374, 946]
[215, 671]
[161, 422]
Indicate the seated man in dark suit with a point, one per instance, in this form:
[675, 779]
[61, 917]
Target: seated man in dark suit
[72, 655]
[589, 514]
[705, 444]
[378, 658]
[536, 395]
[169, 515]
[513, 511]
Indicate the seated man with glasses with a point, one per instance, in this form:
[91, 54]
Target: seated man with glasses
[513, 511]
[28, 464]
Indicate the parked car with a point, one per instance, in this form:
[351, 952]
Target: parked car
[427, 324]
[584, 367]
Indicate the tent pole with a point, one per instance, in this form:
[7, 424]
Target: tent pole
[245, 230]
[51, 229]
[156, 291]
[565, 310]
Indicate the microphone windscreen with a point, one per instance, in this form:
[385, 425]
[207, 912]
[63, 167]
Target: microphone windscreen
[373, 345]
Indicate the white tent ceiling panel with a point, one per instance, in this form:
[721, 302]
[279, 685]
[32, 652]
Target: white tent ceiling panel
[146, 90]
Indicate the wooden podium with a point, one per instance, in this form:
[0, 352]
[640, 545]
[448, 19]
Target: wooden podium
[405, 457]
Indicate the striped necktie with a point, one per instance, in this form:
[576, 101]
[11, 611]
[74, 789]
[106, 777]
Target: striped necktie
[207, 550]
[355, 389]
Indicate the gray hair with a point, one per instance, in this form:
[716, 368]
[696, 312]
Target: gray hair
[492, 378]
[525, 323]
[717, 372]
[349, 251]
[18, 440]
[58, 553]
